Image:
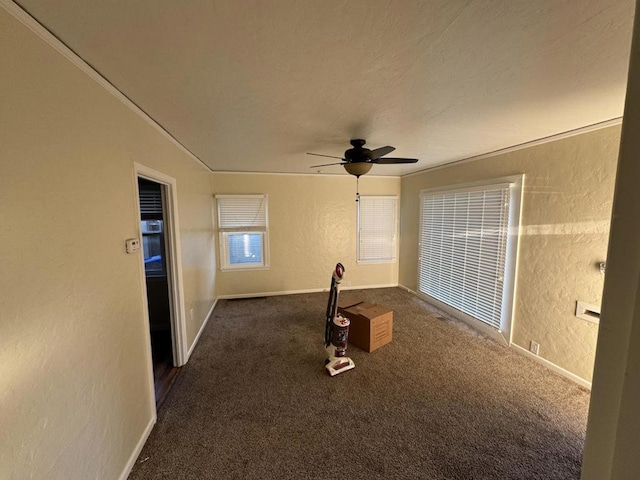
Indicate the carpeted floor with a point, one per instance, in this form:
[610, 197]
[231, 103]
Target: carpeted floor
[440, 402]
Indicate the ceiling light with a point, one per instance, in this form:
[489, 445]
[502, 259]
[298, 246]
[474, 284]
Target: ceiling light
[358, 168]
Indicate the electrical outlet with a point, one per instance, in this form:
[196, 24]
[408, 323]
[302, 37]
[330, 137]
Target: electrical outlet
[534, 347]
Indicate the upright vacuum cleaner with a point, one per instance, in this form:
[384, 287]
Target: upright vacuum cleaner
[336, 330]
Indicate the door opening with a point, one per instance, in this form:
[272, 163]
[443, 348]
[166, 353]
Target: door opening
[152, 197]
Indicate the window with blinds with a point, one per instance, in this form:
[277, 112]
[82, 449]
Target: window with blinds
[150, 201]
[463, 249]
[243, 229]
[152, 228]
[377, 228]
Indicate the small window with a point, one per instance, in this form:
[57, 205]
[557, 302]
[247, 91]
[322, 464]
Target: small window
[377, 229]
[243, 228]
[152, 226]
[153, 247]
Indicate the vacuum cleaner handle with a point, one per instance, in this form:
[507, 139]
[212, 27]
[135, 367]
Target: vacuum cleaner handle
[332, 305]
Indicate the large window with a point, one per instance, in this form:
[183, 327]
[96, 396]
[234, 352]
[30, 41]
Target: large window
[377, 229]
[243, 228]
[468, 237]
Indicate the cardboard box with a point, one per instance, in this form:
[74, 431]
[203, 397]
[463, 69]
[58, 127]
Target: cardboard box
[371, 325]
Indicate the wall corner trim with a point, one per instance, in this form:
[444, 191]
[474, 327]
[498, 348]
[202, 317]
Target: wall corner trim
[136, 451]
[407, 289]
[202, 327]
[41, 31]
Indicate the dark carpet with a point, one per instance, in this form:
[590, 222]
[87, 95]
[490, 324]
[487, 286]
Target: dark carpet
[439, 402]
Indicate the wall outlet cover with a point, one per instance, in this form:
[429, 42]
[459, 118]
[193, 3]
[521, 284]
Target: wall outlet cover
[534, 348]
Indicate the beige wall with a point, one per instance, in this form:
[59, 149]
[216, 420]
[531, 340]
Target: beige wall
[612, 450]
[75, 390]
[312, 226]
[568, 190]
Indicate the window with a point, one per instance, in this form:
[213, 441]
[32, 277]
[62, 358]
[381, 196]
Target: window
[377, 229]
[153, 247]
[152, 226]
[468, 238]
[243, 227]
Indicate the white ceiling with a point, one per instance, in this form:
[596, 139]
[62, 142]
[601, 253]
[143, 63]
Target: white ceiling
[252, 85]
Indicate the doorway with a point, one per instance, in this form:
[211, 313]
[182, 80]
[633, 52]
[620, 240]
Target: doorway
[161, 278]
[152, 199]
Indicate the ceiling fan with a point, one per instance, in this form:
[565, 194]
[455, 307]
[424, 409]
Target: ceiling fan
[359, 160]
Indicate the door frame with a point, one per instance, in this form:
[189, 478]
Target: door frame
[174, 261]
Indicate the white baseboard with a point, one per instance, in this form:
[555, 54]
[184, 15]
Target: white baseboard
[407, 289]
[366, 287]
[202, 327]
[552, 366]
[542, 361]
[295, 292]
[136, 452]
[268, 294]
[145, 435]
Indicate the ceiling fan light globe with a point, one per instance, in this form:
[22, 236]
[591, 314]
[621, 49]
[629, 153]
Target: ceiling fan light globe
[357, 169]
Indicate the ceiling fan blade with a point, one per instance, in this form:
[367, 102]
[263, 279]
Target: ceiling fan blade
[390, 160]
[321, 155]
[327, 164]
[379, 152]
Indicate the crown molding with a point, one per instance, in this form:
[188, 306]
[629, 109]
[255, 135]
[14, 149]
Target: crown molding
[521, 146]
[344, 175]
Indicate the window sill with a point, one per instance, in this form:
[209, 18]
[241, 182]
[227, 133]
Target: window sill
[244, 269]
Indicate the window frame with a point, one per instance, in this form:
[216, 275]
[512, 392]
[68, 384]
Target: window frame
[224, 233]
[359, 252]
[504, 333]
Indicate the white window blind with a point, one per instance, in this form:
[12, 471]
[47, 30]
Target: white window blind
[377, 227]
[150, 201]
[242, 212]
[463, 240]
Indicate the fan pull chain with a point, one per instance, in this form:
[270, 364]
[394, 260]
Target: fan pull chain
[358, 188]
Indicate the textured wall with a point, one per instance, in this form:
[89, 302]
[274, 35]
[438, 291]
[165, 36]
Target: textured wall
[568, 191]
[75, 389]
[611, 447]
[312, 226]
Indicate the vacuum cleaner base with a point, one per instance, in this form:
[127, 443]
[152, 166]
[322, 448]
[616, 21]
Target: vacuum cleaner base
[339, 365]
